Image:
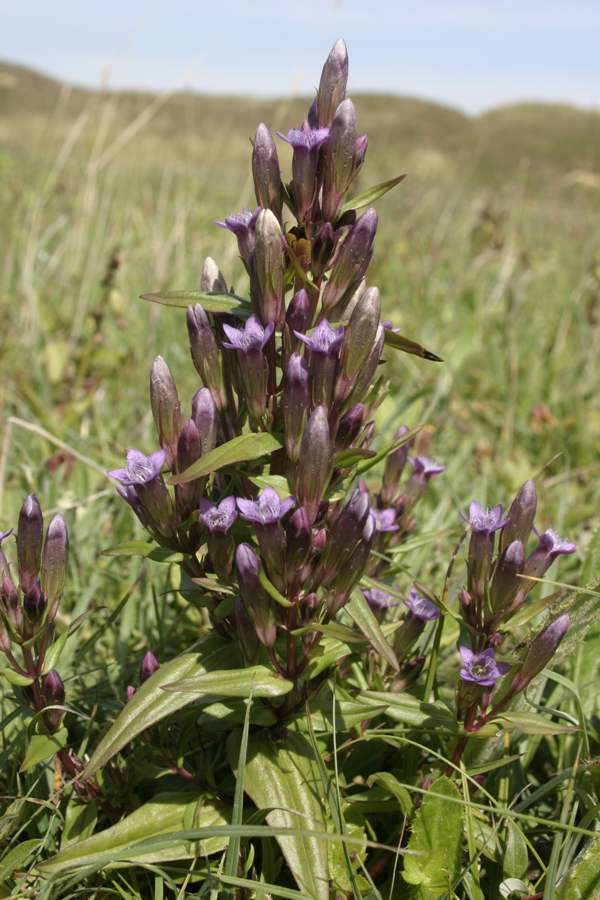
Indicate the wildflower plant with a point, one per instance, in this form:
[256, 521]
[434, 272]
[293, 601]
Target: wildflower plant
[288, 517]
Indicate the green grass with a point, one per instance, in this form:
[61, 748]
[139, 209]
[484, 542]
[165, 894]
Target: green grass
[488, 254]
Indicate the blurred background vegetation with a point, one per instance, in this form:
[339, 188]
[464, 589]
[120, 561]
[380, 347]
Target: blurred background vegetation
[488, 254]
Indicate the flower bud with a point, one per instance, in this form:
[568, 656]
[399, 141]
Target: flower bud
[166, 407]
[314, 464]
[53, 692]
[505, 581]
[299, 313]
[550, 546]
[520, 516]
[332, 87]
[212, 281]
[322, 249]
[339, 158]
[360, 333]
[351, 264]
[365, 375]
[298, 539]
[344, 535]
[350, 426]
[54, 561]
[541, 651]
[296, 403]
[205, 353]
[204, 414]
[34, 604]
[269, 267]
[189, 449]
[361, 151]
[353, 569]
[30, 534]
[265, 171]
[148, 666]
[394, 466]
[256, 602]
[246, 633]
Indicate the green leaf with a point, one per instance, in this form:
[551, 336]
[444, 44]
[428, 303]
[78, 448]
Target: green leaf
[531, 723]
[437, 839]
[14, 677]
[277, 482]
[370, 196]
[582, 881]
[237, 816]
[213, 303]
[409, 710]
[280, 777]
[255, 680]
[80, 821]
[43, 746]
[590, 571]
[364, 467]
[16, 858]
[515, 859]
[243, 448]
[147, 549]
[151, 703]
[343, 459]
[166, 813]
[399, 342]
[56, 648]
[393, 787]
[364, 618]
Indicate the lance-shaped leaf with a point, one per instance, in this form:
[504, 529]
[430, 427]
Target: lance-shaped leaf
[281, 777]
[230, 304]
[166, 813]
[364, 618]
[257, 681]
[399, 342]
[436, 841]
[151, 703]
[243, 448]
[368, 197]
[405, 708]
[582, 880]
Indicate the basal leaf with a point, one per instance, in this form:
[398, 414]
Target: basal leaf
[371, 195]
[280, 776]
[364, 618]
[436, 842]
[213, 303]
[254, 680]
[151, 703]
[582, 881]
[166, 813]
[242, 448]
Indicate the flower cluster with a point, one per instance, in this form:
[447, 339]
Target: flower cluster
[298, 360]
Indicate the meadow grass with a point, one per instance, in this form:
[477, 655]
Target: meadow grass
[488, 255]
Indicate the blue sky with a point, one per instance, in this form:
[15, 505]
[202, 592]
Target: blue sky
[469, 54]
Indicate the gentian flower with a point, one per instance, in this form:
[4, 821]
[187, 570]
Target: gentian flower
[266, 513]
[549, 547]
[379, 599]
[306, 142]
[243, 226]
[252, 338]
[421, 607]
[485, 520]
[425, 468]
[554, 546]
[140, 469]
[385, 519]
[324, 339]
[267, 509]
[249, 343]
[324, 345]
[218, 518]
[481, 668]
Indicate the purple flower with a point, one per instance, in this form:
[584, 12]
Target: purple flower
[379, 599]
[421, 607]
[305, 138]
[267, 509]
[324, 339]
[218, 518]
[554, 546]
[481, 668]
[240, 223]
[425, 467]
[140, 469]
[148, 666]
[252, 338]
[485, 520]
[385, 519]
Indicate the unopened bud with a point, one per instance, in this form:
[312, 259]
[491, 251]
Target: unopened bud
[204, 414]
[322, 250]
[34, 604]
[352, 262]
[314, 464]
[332, 87]
[364, 378]
[296, 403]
[521, 516]
[505, 582]
[212, 280]
[269, 267]
[360, 333]
[265, 171]
[30, 535]
[299, 312]
[299, 538]
[148, 666]
[256, 602]
[541, 651]
[350, 426]
[53, 692]
[345, 534]
[166, 408]
[339, 158]
[246, 633]
[54, 561]
[205, 353]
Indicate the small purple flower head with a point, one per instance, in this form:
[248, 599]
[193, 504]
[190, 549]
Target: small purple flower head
[218, 518]
[324, 339]
[267, 509]
[385, 519]
[424, 467]
[485, 520]
[481, 668]
[421, 607]
[240, 223]
[148, 666]
[252, 338]
[554, 546]
[378, 599]
[305, 138]
[140, 469]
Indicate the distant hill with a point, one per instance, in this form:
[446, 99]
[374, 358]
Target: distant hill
[548, 139]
